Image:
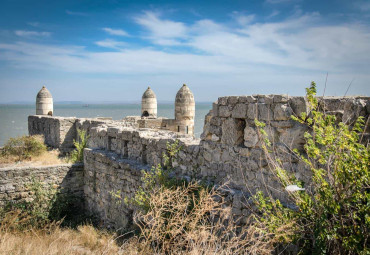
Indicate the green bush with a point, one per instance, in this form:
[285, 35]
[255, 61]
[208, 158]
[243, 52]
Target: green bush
[77, 155]
[334, 216]
[24, 147]
[45, 205]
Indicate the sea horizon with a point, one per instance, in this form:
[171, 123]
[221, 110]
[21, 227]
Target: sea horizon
[14, 117]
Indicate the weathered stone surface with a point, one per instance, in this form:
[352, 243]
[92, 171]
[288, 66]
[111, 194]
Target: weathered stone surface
[215, 109]
[240, 111]
[232, 132]
[14, 180]
[298, 105]
[265, 112]
[282, 112]
[250, 136]
[224, 111]
[252, 111]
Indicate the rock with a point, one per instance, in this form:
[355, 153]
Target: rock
[299, 105]
[224, 111]
[264, 112]
[282, 112]
[215, 109]
[240, 111]
[232, 132]
[250, 136]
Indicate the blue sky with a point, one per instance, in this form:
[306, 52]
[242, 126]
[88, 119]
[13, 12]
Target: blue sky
[112, 50]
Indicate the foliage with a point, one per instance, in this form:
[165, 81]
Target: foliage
[77, 154]
[45, 205]
[157, 177]
[334, 216]
[24, 147]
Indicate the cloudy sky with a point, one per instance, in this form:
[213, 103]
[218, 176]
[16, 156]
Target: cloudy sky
[112, 50]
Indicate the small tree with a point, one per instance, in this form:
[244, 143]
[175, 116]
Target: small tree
[77, 154]
[24, 147]
[335, 217]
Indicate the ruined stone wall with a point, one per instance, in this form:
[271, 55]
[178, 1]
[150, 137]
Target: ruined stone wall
[14, 180]
[229, 150]
[59, 132]
[231, 146]
[110, 178]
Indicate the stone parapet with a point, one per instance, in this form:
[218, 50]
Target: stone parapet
[14, 180]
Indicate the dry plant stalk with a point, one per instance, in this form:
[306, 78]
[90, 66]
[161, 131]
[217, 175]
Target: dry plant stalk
[194, 220]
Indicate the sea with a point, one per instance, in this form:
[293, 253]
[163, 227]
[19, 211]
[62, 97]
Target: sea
[13, 117]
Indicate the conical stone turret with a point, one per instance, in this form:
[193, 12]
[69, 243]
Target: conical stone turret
[185, 110]
[149, 104]
[44, 102]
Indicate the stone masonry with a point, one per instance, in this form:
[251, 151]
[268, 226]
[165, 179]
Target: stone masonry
[229, 151]
[14, 180]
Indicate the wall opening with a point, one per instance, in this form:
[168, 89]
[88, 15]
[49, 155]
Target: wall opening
[241, 124]
[125, 149]
[187, 129]
[178, 128]
[50, 113]
[109, 143]
[145, 114]
[143, 155]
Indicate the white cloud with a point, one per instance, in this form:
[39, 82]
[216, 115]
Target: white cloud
[108, 43]
[73, 13]
[295, 50]
[162, 31]
[244, 19]
[118, 32]
[26, 33]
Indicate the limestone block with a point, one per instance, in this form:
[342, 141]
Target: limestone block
[264, 112]
[217, 130]
[232, 132]
[294, 137]
[240, 111]
[215, 138]
[354, 108]
[222, 101]
[224, 111]
[281, 98]
[232, 100]
[250, 136]
[215, 109]
[215, 121]
[252, 112]
[299, 105]
[282, 112]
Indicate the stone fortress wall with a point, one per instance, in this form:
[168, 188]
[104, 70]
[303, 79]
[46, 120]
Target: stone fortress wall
[229, 150]
[14, 180]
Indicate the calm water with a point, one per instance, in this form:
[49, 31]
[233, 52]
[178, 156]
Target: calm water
[13, 118]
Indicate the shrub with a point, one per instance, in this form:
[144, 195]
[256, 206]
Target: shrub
[24, 147]
[45, 205]
[77, 154]
[181, 217]
[333, 217]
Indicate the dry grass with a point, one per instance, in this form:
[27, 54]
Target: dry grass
[51, 157]
[54, 240]
[190, 220]
[184, 220]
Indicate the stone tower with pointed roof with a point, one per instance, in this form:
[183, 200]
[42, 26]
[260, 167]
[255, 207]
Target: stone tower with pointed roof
[44, 102]
[185, 110]
[149, 104]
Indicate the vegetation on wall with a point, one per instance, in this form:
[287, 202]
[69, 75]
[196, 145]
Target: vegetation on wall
[81, 143]
[24, 147]
[332, 216]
